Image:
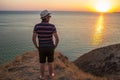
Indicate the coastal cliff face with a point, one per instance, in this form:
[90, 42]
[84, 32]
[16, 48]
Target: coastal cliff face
[103, 61]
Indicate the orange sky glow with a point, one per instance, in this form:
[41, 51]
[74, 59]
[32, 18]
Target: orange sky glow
[62, 5]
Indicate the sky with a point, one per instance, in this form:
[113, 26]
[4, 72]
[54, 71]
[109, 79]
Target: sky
[57, 5]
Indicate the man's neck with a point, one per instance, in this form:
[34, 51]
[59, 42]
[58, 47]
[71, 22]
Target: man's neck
[45, 21]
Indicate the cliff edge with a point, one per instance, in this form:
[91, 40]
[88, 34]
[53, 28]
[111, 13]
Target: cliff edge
[26, 67]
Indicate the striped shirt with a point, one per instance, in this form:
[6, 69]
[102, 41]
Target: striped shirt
[45, 33]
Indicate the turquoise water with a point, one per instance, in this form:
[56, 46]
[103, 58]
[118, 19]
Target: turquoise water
[79, 32]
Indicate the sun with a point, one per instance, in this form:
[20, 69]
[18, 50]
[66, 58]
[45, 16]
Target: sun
[102, 7]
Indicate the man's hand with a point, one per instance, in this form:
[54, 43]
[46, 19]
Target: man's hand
[34, 40]
[56, 39]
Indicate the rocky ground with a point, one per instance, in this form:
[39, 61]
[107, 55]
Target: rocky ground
[103, 62]
[26, 67]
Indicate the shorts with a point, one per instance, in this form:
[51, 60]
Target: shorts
[46, 53]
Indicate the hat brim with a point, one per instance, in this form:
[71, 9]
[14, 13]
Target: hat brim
[45, 15]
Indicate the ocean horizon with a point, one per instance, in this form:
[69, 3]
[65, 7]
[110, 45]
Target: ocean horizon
[79, 32]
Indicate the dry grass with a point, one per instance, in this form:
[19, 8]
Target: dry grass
[26, 67]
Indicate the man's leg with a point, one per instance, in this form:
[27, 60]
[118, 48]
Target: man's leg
[42, 69]
[50, 68]
[50, 61]
[42, 60]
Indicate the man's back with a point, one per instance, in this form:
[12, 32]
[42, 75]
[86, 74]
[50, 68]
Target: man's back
[45, 33]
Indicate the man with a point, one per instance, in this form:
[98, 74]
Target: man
[45, 33]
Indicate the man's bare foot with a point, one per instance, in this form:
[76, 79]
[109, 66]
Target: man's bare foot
[52, 75]
[42, 78]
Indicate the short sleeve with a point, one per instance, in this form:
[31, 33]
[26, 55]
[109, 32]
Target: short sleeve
[35, 29]
[54, 29]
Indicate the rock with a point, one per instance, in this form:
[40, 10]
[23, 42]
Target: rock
[103, 61]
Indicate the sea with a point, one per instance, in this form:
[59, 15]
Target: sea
[79, 32]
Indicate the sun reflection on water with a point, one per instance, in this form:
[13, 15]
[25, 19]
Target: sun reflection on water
[98, 33]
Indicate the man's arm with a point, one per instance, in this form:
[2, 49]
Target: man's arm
[34, 39]
[56, 39]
